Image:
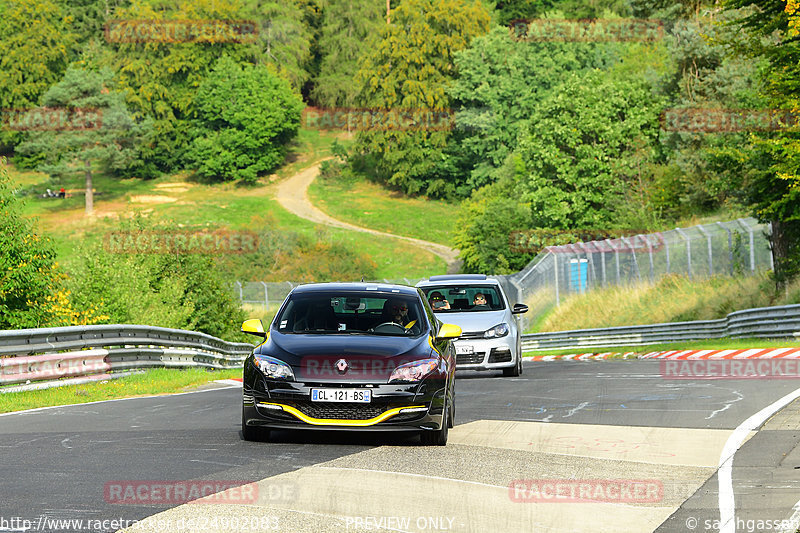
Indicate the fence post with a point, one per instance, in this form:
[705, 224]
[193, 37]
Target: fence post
[633, 255]
[650, 253]
[666, 249]
[266, 296]
[730, 245]
[616, 257]
[688, 251]
[752, 244]
[555, 269]
[603, 266]
[710, 252]
[239, 283]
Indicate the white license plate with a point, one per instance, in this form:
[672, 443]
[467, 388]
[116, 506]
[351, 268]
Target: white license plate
[464, 350]
[341, 395]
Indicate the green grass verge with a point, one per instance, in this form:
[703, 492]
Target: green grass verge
[710, 344]
[370, 205]
[672, 299]
[189, 202]
[152, 381]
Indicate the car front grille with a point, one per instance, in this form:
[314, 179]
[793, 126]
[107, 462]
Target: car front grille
[341, 411]
[471, 335]
[470, 358]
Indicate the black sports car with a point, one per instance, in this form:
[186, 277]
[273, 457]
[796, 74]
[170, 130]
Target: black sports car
[351, 356]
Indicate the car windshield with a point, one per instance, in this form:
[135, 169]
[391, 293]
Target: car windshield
[467, 298]
[349, 313]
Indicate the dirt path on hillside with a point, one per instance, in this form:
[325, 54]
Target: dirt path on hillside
[293, 196]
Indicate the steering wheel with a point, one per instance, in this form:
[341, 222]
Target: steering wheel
[387, 327]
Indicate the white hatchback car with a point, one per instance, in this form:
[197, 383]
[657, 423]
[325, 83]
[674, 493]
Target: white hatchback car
[490, 338]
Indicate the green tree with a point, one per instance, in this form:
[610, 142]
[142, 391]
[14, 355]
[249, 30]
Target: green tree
[349, 28]
[771, 31]
[585, 149]
[409, 69]
[37, 45]
[160, 78]
[110, 137]
[285, 38]
[246, 117]
[487, 221]
[499, 84]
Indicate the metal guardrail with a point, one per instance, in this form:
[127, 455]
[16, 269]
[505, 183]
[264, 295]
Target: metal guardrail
[47, 354]
[765, 322]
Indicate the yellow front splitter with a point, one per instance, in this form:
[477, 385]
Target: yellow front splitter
[341, 422]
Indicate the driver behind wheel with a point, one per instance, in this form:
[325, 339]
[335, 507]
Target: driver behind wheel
[395, 310]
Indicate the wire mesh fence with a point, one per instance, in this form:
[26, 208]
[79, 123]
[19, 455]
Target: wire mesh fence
[739, 247]
[734, 248]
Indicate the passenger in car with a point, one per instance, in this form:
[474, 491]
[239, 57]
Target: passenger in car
[438, 301]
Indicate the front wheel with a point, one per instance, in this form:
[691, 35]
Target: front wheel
[253, 433]
[515, 370]
[438, 437]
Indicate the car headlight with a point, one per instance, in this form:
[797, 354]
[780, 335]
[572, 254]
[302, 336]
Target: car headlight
[274, 369]
[500, 330]
[413, 371]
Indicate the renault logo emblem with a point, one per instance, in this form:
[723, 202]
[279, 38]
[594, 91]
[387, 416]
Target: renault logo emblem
[342, 366]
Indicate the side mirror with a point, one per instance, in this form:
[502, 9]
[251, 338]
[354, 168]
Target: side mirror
[254, 326]
[449, 331]
[519, 308]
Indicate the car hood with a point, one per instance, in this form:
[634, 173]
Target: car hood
[368, 357]
[474, 321]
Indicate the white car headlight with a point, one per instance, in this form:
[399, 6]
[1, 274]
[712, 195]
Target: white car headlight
[500, 330]
[273, 368]
[413, 371]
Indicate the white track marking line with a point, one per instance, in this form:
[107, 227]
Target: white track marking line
[727, 503]
[794, 520]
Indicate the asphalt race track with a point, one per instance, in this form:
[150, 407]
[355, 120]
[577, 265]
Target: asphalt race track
[563, 426]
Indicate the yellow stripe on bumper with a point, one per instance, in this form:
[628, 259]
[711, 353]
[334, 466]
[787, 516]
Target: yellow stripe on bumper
[342, 422]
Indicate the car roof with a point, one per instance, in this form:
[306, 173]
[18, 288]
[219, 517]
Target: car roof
[363, 286]
[459, 280]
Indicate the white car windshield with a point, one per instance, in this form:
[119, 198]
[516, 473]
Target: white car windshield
[464, 298]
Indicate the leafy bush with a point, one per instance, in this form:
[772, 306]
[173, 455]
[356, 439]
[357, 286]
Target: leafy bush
[32, 292]
[170, 290]
[246, 117]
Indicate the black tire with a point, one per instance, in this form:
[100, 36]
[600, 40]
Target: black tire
[439, 436]
[515, 370]
[253, 433]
